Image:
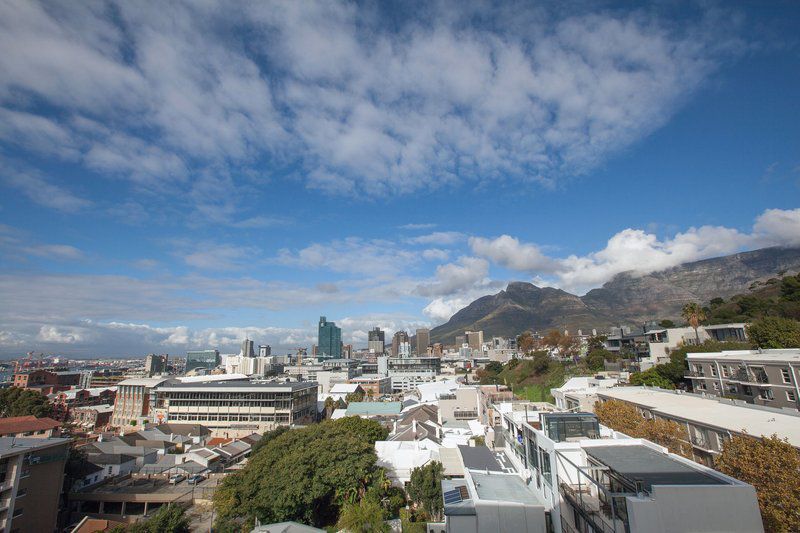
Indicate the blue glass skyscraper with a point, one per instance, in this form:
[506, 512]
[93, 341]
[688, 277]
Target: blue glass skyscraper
[330, 340]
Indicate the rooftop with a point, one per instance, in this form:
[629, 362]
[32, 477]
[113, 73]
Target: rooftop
[209, 378]
[374, 408]
[23, 424]
[782, 355]
[146, 382]
[502, 487]
[479, 458]
[243, 386]
[642, 463]
[712, 412]
[15, 445]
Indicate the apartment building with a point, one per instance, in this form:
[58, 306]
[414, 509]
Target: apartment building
[709, 421]
[762, 377]
[459, 406]
[407, 373]
[233, 408]
[133, 400]
[31, 474]
[65, 402]
[29, 426]
[580, 393]
[590, 478]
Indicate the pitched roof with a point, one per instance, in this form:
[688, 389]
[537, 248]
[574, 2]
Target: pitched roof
[22, 424]
[112, 458]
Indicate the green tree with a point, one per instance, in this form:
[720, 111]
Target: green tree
[596, 342]
[425, 488]
[365, 516]
[775, 332]
[330, 405]
[267, 437]
[624, 418]
[541, 362]
[354, 397]
[168, 519]
[694, 315]
[652, 378]
[771, 465]
[666, 323]
[15, 401]
[595, 361]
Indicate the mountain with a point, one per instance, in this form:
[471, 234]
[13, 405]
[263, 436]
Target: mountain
[627, 298]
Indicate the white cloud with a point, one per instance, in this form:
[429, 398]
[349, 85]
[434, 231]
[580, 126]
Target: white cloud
[778, 226]
[435, 254]
[442, 238]
[352, 255]
[55, 251]
[509, 252]
[62, 335]
[42, 192]
[417, 226]
[455, 278]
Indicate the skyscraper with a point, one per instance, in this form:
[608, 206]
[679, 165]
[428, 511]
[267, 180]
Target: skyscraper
[264, 350]
[377, 341]
[247, 349]
[208, 359]
[475, 339]
[330, 340]
[423, 340]
[155, 364]
[399, 337]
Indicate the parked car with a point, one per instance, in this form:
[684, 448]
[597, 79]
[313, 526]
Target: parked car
[195, 479]
[174, 479]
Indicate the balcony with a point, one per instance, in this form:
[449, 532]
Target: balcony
[753, 376]
[694, 374]
[465, 415]
[597, 513]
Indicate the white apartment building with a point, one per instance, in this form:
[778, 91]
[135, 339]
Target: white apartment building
[580, 393]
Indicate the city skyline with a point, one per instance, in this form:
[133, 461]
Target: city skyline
[382, 166]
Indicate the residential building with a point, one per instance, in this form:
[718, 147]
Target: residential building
[709, 422]
[727, 332]
[132, 403]
[458, 406]
[29, 426]
[398, 338]
[202, 359]
[65, 401]
[252, 366]
[490, 501]
[330, 340]
[376, 341]
[474, 339]
[488, 396]
[34, 378]
[580, 393]
[31, 477]
[92, 417]
[408, 372]
[155, 364]
[379, 385]
[590, 478]
[233, 408]
[661, 341]
[423, 340]
[762, 377]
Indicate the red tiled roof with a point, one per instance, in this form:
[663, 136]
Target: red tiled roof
[216, 441]
[22, 424]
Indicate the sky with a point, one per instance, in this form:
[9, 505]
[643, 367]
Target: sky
[185, 175]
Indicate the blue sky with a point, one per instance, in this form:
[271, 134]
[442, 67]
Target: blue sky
[183, 176]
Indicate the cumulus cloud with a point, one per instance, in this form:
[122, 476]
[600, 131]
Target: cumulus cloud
[509, 252]
[452, 278]
[358, 105]
[778, 226]
[442, 238]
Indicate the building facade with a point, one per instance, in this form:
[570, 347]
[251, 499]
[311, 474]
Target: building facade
[202, 359]
[423, 340]
[766, 377]
[376, 341]
[155, 364]
[133, 400]
[330, 340]
[236, 407]
[397, 339]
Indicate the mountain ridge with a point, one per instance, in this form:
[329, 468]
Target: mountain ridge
[627, 298]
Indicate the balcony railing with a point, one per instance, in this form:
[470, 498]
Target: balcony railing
[594, 511]
[465, 415]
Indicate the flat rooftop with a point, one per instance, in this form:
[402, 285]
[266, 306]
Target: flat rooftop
[712, 412]
[766, 356]
[637, 462]
[503, 487]
[242, 386]
[15, 445]
[479, 458]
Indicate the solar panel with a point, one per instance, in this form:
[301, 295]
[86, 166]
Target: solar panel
[452, 496]
[464, 492]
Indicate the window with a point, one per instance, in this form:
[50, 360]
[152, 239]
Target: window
[714, 370]
[766, 394]
[790, 395]
[725, 371]
[22, 492]
[17, 512]
[716, 386]
[787, 375]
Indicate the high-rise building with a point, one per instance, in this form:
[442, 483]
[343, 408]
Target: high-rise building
[460, 340]
[207, 359]
[475, 339]
[377, 341]
[330, 340]
[423, 340]
[399, 337]
[155, 364]
[264, 350]
[347, 351]
[247, 349]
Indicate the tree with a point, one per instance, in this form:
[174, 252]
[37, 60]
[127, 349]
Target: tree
[596, 342]
[526, 343]
[771, 465]
[267, 437]
[354, 397]
[365, 516]
[330, 405]
[595, 361]
[693, 314]
[619, 416]
[425, 488]
[15, 401]
[168, 519]
[652, 378]
[624, 418]
[666, 324]
[775, 332]
[304, 474]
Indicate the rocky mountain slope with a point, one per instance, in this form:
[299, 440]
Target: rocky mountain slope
[627, 298]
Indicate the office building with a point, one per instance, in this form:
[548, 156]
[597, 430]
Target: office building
[264, 350]
[423, 340]
[709, 421]
[155, 364]
[202, 359]
[247, 349]
[31, 477]
[133, 401]
[330, 340]
[460, 341]
[398, 338]
[408, 372]
[376, 341]
[236, 408]
[474, 339]
[762, 377]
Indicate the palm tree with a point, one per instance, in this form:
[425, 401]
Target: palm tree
[693, 314]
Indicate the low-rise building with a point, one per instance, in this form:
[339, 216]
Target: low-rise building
[709, 422]
[230, 408]
[31, 475]
[92, 417]
[580, 392]
[379, 385]
[133, 400]
[29, 426]
[458, 406]
[65, 401]
[763, 377]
